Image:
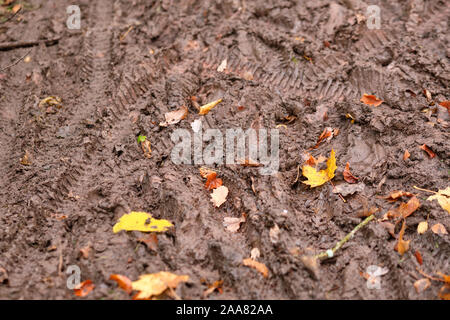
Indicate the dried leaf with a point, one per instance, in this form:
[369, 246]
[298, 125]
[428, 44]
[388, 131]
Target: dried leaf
[255, 254]
[233, 224]
[445, 104]
[123, 282]
[26, 159]
[274, 233]
[422, 285]
[217, 285]
[50, 101]
[174, 117]
[430, 153]
[222, 66]
[348, 176]
[406, 209]
[439, 229]
[207, 107]
[16, 8]
[154, 284]
[327, 133]
[371, 100]
[261, 267]
[146, 148]
[212, 182]
[150, 240]
[406, 155]
[141, 221]
[443, 198]
[85, 251]
[394, 195]
[249, 163]
[83, 289]
[219, 196]
[317, 178]
[444, 292]
[422, 227]
[402, 245]
[418, 257]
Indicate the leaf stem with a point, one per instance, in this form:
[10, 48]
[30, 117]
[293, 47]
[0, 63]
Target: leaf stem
[426, 190]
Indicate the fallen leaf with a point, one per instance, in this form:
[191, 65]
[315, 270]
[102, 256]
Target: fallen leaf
[141, 221]
[445, 104]
[317, 178]
[444, 292]
[174, 117]
[222, 66]
[402, 245]
[150, 240]
[389, 227]
[406, 209]
[219, 196]
[217, 285]
[146, 148]
[274, 233]
[422, 227]
[311, 263]
[394, 195]
[154, 284]
[406, 155]
[418, 257]
[249, 163]
[327, 133]
[261, 267]
[84, 288]
[371, 100]
[212, 182]
[430, 153]
[233, 224]
[422, 285]
[85, 251]
[123, 282]
[25, 160]
[348, 176]
[255, 254]
[50, 101]
[443, 198]
[439, 229]
[207, 107]
[346, 189]
[16, 8]
[204, 172]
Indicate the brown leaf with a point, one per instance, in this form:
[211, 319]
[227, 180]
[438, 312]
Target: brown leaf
[84, 288]
[394, 195]
[406, 155]
[327, 133]
[418, 257]
[212, 182]
[150, 240]
[422, 285]
[123, 282]
[348, 176]
[261, 267]
[439, 229]
[445, 104]
[146, 148]
[26, 161]
[402, 245]
[430, 153]
[444, 293]
[406, 209]
[249, 163]
[217, 285]
[371, 100]
[174, 117]
[85, 251]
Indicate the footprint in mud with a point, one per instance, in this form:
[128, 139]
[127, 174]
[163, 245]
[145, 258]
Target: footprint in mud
[364, 154]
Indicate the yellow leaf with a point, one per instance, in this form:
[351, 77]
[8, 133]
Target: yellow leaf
[154, 284]
[207, 107]
[141, 221]
[443, 197]
[422, 227]
[317, 178]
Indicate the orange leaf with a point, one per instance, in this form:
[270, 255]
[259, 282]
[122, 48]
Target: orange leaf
[394, 195]
[326, 133]
[418, 257]
[371, 100]
[406, 209]
[212, 182]
[431, 154]
[446, 278]
[151, 241]
[444, 293]
[217, 285]
[445, 104]
[261, 267]
[422, 285]
[204, 172]
[84, 288]
[402, 245]
[348, 176]
[123, 282]
[406, 155]
[439, 228]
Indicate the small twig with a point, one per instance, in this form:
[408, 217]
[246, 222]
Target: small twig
[25, 44]
[330, 253]
[426, 190]
[15, 62]
[12, 17]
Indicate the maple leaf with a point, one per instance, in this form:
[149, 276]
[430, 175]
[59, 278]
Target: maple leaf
[371, 100]
[141, 221]
[154, 284]
[207, 107]
[261, 267]
[443, 198]
[317, 178]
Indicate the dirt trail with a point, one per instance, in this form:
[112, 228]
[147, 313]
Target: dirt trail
[132, 62]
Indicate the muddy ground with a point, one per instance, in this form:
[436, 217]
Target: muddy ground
[284, 58]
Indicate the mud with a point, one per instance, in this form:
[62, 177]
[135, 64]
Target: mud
[284, 58]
